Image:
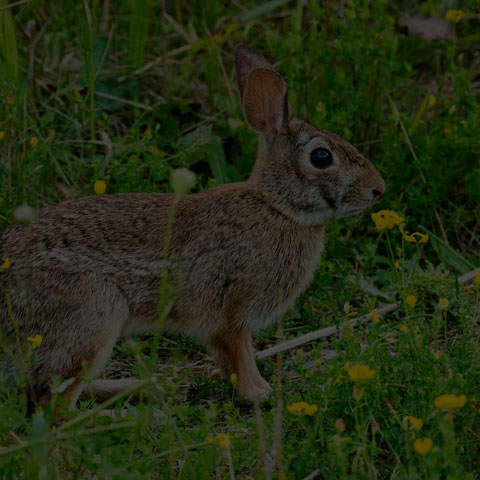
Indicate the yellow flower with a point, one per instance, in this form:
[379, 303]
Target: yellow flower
[36, 340]
[443, 303]
[411, 300]
[99, 187]
[415, 423]
[234, 380]
[422, 238]
[360, 372]
[454, 15]
[477, 279]
[2, 134]
[422, 445]
[223, 439]
[374, 316]
[338, 380]
[6, 264]
[33, 142]
[448, 401]
[397, 265]
[386, 218]
[302, 408]
[404, 329]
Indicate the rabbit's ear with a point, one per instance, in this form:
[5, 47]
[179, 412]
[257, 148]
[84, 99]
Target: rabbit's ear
[265, 102]
[247, 60]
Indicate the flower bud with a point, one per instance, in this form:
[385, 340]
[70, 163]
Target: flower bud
[183, 180]
[24, 215]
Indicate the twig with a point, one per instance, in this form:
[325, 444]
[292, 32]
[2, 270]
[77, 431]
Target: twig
[322, 333]
[14, 4]
[332, 330]
[312, 475]
[156, 61]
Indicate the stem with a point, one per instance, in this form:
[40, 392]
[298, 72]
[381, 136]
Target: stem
[163, 309]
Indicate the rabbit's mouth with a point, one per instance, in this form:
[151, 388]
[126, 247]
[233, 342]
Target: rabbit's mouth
[351, 210]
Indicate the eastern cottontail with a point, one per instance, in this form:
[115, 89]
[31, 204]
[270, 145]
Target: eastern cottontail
[91, 268]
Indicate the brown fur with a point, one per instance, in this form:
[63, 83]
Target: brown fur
[239, 254]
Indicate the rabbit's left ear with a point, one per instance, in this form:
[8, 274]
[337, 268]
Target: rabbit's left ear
[265, 102]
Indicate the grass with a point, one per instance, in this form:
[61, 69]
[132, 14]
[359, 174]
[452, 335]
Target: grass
[101, 91]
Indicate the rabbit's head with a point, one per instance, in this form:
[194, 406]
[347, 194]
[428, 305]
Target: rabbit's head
[309, 174]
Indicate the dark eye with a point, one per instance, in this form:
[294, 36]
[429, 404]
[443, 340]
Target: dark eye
[321, 158]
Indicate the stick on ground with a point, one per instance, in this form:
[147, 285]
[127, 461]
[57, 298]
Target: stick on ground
[333, 329]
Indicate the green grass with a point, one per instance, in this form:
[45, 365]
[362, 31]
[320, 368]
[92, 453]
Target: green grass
[123, 96]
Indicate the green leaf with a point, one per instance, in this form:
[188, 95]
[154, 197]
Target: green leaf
[448, 255]
[222, 171]
[41, 438]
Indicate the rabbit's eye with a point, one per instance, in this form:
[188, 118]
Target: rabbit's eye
[321, 158]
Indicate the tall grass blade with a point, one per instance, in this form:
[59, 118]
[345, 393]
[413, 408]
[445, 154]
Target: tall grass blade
[262, 10]
[8, 43]
[137, 37]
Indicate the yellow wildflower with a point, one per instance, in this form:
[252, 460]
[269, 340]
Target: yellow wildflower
[386, 218]
[410, 238]
[223, 439]
[374, 316]
[411, 300]
[397, 265]
[360, 372]
[454, 15]
[338, 380]
[448, 401]
[234, 380]
[6, 264]
[2, 134]
[477, 279]
[99, 187]
[422, 445]
[415, 423]
[36, 340]
[404, 328]
[33, 142]
[443, 303]
[302, 408]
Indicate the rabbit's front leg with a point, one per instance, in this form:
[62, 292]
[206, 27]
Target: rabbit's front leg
[233, 350]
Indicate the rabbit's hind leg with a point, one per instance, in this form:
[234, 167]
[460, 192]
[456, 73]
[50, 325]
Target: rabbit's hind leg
[234, 352]
[78, 342]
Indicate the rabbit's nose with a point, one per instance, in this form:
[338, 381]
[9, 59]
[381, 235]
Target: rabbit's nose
[379, 188]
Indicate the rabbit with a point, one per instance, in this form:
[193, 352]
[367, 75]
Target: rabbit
[88, 271]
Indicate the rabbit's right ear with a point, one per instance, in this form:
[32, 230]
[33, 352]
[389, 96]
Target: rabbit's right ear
[265, 102]
[247, 60]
